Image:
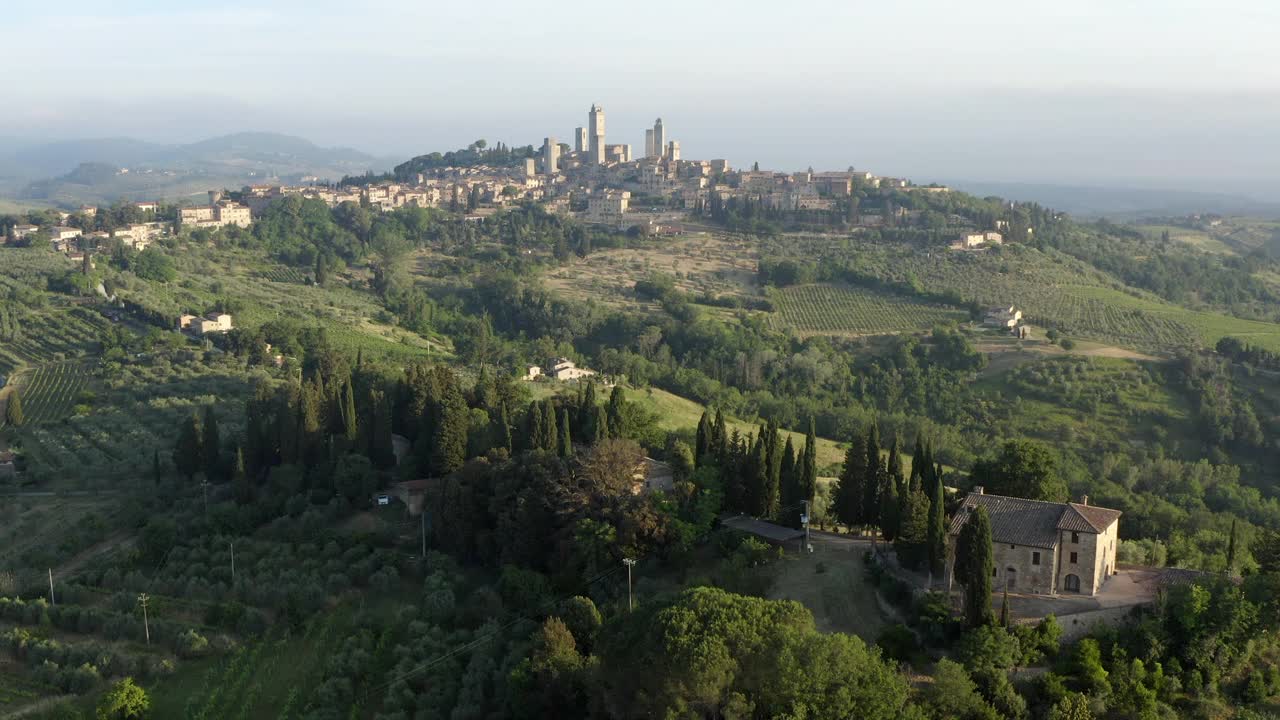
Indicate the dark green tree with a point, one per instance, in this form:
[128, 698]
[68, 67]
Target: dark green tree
[873, 484]
[789, 483]
[849, 491]
[702, 439]
[502, 430]
[157, 470]
[617, 413]
[566, 441]
[1025, 469]
[1231, 549]
[809, 465]
[211, 445]
[937, 541]
[188, 454]
[350, 428]
[550, 428]
[536, 437]
[973, 567]
[451, 422]
[240, 480]
[599, 424]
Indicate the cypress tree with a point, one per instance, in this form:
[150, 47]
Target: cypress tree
[720, 434]
[892, 516]
[1004, 610]
[536, 438]
[732, 474]
[589, 429]
[566, 442]
[850, 492]
[789, 482]
[809, 476]
[937, 542]
[378, 430]
[973, 566]
[874, 478]
[211, 445]
[240, 480]
[758, 479]
[452, 421]
[617, 421]
[550, 428]
[157, 470]
[13, 414]
[349, 427]
[1231, 549]
[188, 456]
[600, 424]
[702, 439]
[919, 465]
[889, 507]
[503, 432]
[773, 470]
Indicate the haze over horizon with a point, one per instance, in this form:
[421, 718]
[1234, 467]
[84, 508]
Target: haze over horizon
[1174, 95]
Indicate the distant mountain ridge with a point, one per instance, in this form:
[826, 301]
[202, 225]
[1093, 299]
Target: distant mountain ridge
[1120, 203]
[55, 172]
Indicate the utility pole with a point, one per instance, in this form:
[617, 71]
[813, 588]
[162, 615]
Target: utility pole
[805, 520]
[424, 535]
[51, 601]
[629, 562]
[233, 565]
[146, 624]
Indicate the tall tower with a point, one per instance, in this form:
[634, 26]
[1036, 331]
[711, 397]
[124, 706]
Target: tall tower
[580, 140]
[596, 125]
[648, 142]
[550, 156]
[673, 150]
[659, 138]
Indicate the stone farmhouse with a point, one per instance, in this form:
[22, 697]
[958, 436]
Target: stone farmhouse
[1006, 317]
[1045, 548]
[562, 369]
[214, 322]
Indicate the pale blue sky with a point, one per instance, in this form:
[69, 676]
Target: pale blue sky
[1167, 93]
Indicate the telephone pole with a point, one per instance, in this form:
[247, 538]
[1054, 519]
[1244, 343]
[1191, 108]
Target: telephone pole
[424, 535]
[629, 562]
[805, 520]
[233, 565]
[51, 601]
[146, 624]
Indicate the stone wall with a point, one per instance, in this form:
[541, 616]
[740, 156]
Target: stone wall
[1026, 575]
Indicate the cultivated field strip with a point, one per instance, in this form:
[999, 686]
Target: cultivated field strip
[842, 310]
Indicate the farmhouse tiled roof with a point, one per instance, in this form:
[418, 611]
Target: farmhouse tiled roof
[1035, 523]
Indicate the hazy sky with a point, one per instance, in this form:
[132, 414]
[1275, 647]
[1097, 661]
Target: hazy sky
[1165, 93]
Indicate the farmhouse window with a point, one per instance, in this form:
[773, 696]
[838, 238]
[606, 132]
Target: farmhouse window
[1013, 547]
[1074, 558]
[1035, 558]
[1075, 538]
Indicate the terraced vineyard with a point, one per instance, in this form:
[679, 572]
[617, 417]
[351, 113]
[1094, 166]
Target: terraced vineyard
[1052, 290]
[52, 335]
[843, 310]
[50, 391]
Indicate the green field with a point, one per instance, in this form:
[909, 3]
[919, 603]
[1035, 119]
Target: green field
[851, 311]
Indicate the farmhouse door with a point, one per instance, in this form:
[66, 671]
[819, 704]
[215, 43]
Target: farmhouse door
[1072, 583]
[1010, 578]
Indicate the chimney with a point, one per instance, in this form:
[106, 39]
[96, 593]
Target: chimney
[977, 489]
[1084, 499]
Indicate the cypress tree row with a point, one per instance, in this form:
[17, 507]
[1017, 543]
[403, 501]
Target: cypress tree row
[789, 483]
[617, 421]
[503, 429]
